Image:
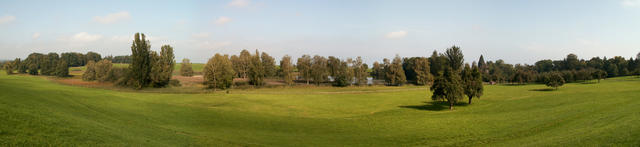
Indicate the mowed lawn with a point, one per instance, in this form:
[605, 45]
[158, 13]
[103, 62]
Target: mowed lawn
[37, 112]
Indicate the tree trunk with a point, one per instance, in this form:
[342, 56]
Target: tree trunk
[450, 105]
[470, 99]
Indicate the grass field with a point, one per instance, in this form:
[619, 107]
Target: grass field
[37, 112]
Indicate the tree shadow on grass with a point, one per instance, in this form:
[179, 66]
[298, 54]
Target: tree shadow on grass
[434, 106]
[543, 89]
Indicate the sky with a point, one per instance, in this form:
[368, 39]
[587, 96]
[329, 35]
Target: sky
[517, 31]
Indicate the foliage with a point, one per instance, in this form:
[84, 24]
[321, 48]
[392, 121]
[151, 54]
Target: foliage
[162, 66]
[218, 72]
[319, 69]
[553, 79]
[62, 69]
[286, 68]
[472, 79]
[269, 65]
[186, 68]
[455, 58]
[90, 73]
[304, 67]
[394, 73]
[140, 67]
[102, 69]
[256, 70]
[448, 86]
[422, 71]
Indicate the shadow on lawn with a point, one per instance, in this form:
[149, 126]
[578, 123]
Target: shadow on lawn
[543, 89]
[434, 106]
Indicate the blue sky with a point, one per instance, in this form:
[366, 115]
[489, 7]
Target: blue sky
[514, 30]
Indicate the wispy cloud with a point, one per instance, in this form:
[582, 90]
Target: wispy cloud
[239, 3]
[396, 34]
[85, 37]
[222, 20]
[630, 3]
[112, 18]
[7, 19]
[35, 36]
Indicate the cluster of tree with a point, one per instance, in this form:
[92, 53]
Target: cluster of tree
[571, 69]
[320, 69]
[147, 69]
[453, 81]
[36, 63]
[103, 71]
[119, 59]
[221, 69]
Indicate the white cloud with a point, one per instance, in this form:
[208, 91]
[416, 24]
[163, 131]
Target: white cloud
[222, 20]
[200, 35]
[112, 18]
[396, 34]
[630, 3]
[7, 19]
[84, 37]
[239, 3]
[35, 35]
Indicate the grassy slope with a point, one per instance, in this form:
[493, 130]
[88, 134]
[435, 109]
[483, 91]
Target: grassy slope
[35, 111]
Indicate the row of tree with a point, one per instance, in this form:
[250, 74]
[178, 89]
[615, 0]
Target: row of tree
[50, 64]
[147, 69]
[571, 69]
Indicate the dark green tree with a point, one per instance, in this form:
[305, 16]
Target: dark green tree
[20, 66]
[33, 69]
[62, 69]
[395, 73]
[455, 58]
[554, 79]
[140, 67]
[256, 70]
[269, 65]
[95, 57]
[162, 67]
[422, 71]
[472, 78]
[448, 87]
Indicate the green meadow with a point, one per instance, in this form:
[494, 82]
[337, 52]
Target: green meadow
[35, 111]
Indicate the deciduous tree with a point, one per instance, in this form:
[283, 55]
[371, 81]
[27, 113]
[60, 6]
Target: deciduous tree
[256, 70]
[448, 87]
[304, 67]
[287, 69]
[62, 69]
[218, 72]
[186, 69]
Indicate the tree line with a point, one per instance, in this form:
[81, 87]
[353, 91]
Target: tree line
[152, 69]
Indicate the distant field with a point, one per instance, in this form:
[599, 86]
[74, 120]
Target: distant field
[38, 112]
